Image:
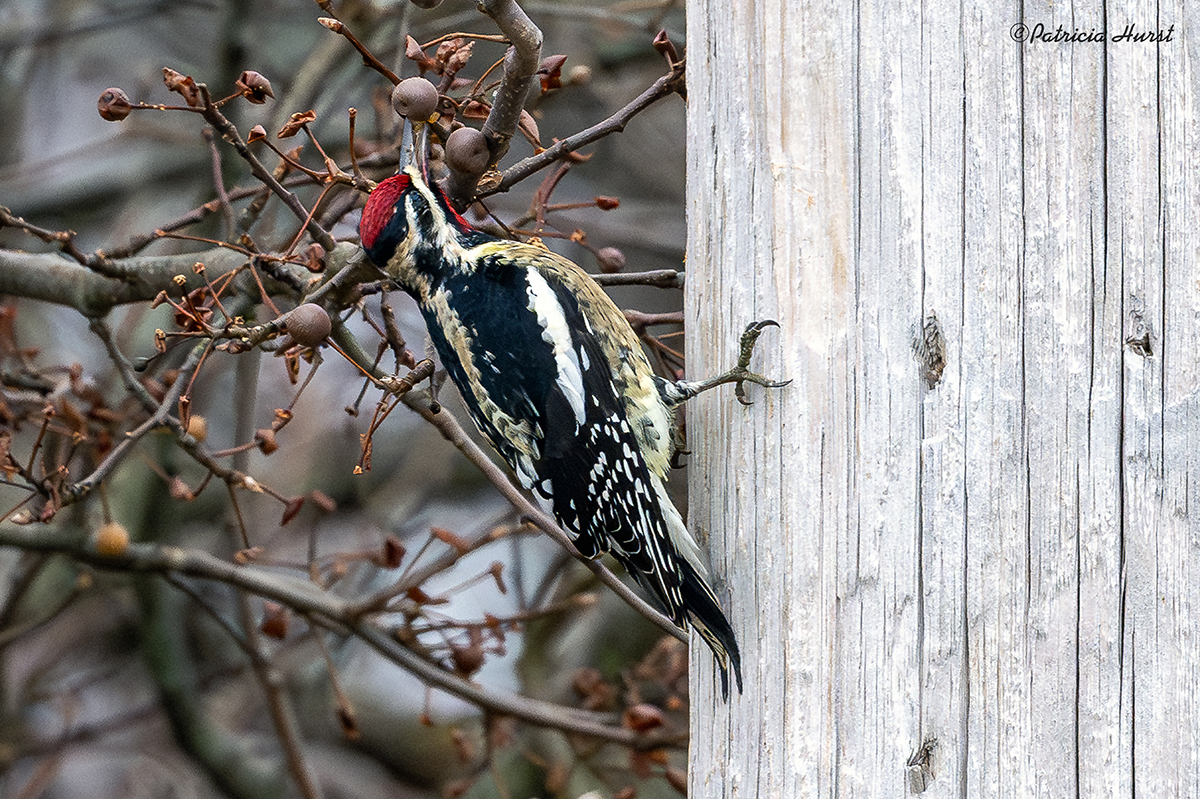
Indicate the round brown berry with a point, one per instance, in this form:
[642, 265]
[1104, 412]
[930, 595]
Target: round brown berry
[111, 540]
[467, 151]
[415, 99]
[309, 324]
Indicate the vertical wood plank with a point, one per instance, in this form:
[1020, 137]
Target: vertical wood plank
[1005, 561]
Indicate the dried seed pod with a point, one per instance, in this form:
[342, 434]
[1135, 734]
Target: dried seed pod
[184, 85]
[295, 123]
[265, 439]
[551, 72]
[309, 324]
[415, 99]
[254, 87]
[114, 104]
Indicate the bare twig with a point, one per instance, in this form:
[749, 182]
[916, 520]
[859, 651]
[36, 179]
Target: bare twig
[668, 84]
[160, 418]
[659, 278]
[65, 239]
[339, 27]
[219, 183]
[227, 129]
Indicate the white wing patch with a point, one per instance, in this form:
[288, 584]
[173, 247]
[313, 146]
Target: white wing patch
[556, 333]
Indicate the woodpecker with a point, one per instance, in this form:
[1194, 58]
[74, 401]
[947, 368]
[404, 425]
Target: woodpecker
[554, 377]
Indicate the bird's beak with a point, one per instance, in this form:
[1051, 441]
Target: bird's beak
[414, 147]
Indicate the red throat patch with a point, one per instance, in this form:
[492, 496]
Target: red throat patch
[380, 207]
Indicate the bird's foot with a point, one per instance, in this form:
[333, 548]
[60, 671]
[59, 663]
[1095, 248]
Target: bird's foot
[738, 375]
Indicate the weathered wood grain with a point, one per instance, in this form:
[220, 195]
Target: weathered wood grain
[1007, 561]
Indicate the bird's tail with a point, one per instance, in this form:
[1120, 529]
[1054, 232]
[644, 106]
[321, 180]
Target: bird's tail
[706, 616]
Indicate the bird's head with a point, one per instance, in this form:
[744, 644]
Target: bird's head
[404, 215]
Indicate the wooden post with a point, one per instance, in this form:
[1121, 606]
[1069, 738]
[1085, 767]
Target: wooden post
[982, 580]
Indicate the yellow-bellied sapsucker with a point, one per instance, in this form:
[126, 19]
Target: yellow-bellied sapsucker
[556, 379]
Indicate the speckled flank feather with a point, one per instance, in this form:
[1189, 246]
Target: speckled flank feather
[555, 378]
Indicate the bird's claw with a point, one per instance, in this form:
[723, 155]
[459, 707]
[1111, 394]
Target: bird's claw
[741, 373]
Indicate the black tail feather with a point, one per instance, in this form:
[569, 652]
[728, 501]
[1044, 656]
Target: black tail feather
[710, 621]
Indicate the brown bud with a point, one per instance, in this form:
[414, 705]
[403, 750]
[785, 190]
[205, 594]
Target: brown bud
[451, 538]
[257, 133]
[497, 570]
[322, 500]
[467, 151]
[528, 128]
[607, 203]
[309, 324]
[393, 552]
[474, 109]
[275, 621]
[642, 718]
[611, 260]
[114, 105]
[290, 510]
[254, 87]
[415, 99]
[179, 490]
[348, 723]
[663, 45]
[314, 256]
[426, 4]
[413, 51]
[467, 659]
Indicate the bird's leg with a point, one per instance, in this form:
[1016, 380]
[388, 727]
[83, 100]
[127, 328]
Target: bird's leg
[683, 390]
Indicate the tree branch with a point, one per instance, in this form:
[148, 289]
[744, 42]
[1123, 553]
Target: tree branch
[51, 278]
[521, 63]
[327, 610]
